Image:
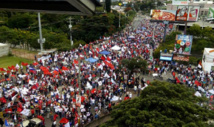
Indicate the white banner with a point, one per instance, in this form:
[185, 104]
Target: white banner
[26, 112]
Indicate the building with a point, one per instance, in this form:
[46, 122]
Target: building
[208, 60]
[203, 4]
[4, 49]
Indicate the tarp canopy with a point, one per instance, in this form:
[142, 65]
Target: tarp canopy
[131, 37]
[115, 98]
[116, 47]
[104, 52]
[91, 60]
[211, 91]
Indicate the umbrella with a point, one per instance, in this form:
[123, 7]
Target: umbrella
[116, 48]
[63, 120]
[131, 37]
[91, 60]
[104, 52]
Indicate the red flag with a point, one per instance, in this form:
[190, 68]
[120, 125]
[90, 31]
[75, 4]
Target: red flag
[82, 99]
[98, 50]
[24, 64]
[108, 59]
[197, 83]
[126, 98]
[103, 58]
[2, 69]
[35, 63]
[32, 111]
[76, 62]
[177, 80]
[19, 109]
[55, 116]
[9, 68]
[55, 72]
[64, 68]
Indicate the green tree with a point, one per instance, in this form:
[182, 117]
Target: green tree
[162, 104]
[194, 30]
[22, 20]
[4, 33]
[134, 65]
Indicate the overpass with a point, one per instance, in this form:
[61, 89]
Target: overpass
[72, 7]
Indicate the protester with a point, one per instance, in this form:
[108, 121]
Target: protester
[78, 89]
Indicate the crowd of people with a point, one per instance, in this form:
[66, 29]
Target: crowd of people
[80, 85]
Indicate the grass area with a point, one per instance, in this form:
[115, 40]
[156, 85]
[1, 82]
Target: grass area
[25, 51]
[12, 60]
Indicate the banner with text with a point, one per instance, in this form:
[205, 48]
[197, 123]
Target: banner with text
[193, 13]
[166, 15]
[182, 13]
[211, 13]
[180, 57]
[179, 2]
[183, 44]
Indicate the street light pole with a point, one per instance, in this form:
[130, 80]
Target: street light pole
[70, 27]
[41, 40]
[203, 21]
[119, 18]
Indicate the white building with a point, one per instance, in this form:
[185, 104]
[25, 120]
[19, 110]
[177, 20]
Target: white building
[4, 49]
[208, 60]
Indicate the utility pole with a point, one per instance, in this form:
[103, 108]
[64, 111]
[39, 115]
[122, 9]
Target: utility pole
[40, 40]
[70, 27]
[119, 13]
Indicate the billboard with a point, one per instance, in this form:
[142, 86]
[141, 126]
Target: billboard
[193, 13]
[211, 13]
[183, 44]
[182, 13]
[166, 15]
[180, 57]
[179, 2]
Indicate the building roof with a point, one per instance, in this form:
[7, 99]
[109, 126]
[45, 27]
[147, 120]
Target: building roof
[73, 7]
[2, 44]
[209, 50]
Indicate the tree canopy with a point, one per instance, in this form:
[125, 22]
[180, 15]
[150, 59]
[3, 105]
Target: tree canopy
[162, 104]
[19, 28]
[134, 64]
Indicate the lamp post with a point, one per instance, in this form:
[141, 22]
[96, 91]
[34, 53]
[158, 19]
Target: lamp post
[119, 13]
[70, 27]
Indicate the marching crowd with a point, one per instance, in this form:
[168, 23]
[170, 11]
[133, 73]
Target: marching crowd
[78, 86]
